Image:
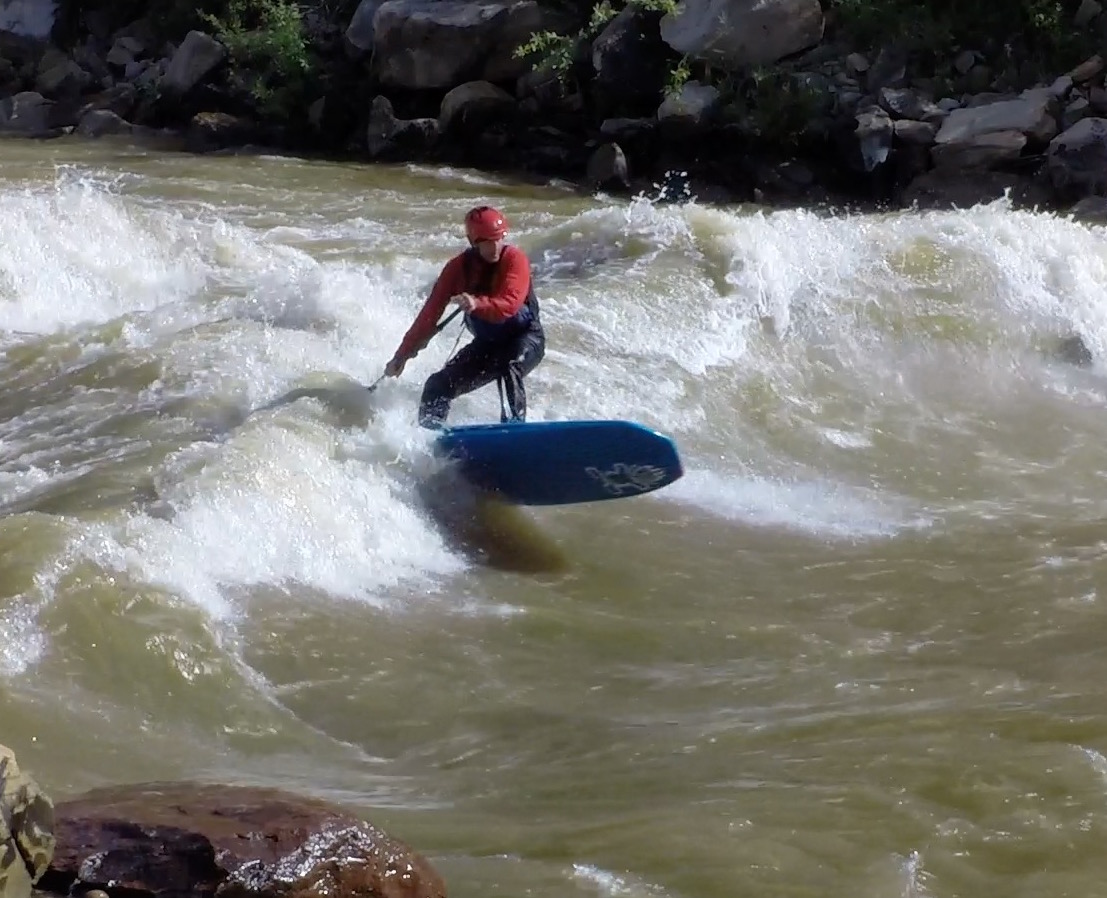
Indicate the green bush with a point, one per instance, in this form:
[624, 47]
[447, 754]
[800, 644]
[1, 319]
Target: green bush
[777, 107]
[1040, 32]
[548, 49]
[266, 42]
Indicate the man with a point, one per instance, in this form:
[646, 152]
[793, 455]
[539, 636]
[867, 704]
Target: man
[491, 282]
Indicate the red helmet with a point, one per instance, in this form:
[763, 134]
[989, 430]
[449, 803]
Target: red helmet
[485, 223]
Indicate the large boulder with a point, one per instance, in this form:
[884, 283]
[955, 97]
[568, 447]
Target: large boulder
[985, 135]
[1031, 115]
[26, 113]
[962, 189]
[436, 44]
[1076, 162]
[631, 64]
[389, 137]
[200, 841]
[471, 106]
[28, 18]
[198, 56]
[359, 33]
[26, 829]
[738, 33]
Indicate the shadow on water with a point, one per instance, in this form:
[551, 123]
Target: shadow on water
[348, 403]
[493, 532]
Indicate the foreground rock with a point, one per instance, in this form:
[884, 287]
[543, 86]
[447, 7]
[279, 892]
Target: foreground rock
[178, 840]
[26, 829]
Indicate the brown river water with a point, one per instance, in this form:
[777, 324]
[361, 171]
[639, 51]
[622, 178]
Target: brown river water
[856, 652]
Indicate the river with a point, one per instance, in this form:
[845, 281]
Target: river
[856, 652]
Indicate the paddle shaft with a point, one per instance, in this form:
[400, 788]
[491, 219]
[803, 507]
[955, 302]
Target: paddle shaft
[437, 330]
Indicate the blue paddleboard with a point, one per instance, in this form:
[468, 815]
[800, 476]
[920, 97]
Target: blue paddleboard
[562, 462]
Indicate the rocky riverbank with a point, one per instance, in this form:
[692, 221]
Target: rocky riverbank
[195, 841]
[650, 96]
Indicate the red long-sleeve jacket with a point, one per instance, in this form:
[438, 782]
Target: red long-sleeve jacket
[509, 284]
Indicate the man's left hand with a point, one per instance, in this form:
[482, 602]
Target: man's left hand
[466, 300]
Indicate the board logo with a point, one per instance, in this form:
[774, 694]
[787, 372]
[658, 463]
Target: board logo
[623, 478]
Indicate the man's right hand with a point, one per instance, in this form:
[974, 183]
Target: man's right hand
[395, 366]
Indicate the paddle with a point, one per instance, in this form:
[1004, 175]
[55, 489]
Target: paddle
[437, 330]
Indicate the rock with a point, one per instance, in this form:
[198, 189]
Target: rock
[470, 106]
[965, 60]
[29, 18]
[436, 44]
[1060, 88]
[151, 78]
[27, 841]
[120, 99]
[27, 113]
[915, 133]
[359, 33]
[211, 131]
[979, 151]
[63, 81]
[382, 126]
[631, 63]
[18, 50]
[88, 57]
[1087, 70]
[1086, 13]
[125, 50]
[987, 98]
[7, 70]
[317, 113]
[135, 69]
[1030, 116]
[857, 64]
[953, 189]
[1076, 161]
[889, 69]
[1097, 96]
[847, 102]
[100, 122]
[872, 140]
[142, 30]
[691, 108]
[543, 84]
[1091, 209]
[739, 33]
[387, 136]
[607, 168]
[1074, 112]
[979, 78]
[197, 57]
[212, 841]
[905, 103]
[627, 129]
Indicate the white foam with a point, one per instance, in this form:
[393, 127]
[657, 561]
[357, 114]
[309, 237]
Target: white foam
[79, 255]
[816, 506]
[22, 642]
[611, 885]
[273, 506]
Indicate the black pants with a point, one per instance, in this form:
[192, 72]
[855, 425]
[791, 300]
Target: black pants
[480, 363]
